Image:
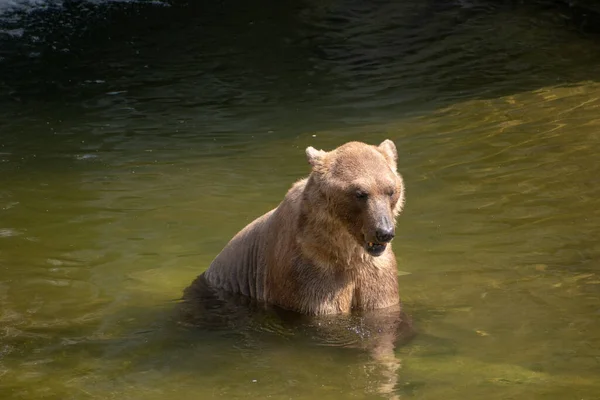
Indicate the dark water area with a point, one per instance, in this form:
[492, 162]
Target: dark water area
[137, 137]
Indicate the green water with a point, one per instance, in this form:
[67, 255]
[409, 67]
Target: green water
[136, 140]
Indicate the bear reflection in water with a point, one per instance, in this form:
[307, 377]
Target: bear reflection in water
[324, 255]
[256, 324]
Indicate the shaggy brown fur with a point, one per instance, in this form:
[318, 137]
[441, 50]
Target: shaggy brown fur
[319, 251]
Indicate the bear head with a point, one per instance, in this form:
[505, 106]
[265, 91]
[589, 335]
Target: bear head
[358, 185]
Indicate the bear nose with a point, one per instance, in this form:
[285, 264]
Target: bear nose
[384, 235]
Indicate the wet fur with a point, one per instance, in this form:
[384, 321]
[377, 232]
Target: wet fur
[306, 255]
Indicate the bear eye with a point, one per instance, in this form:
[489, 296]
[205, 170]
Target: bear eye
[391, 192]
[361, 195]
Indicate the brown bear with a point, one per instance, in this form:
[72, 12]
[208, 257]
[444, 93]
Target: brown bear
[326, 248]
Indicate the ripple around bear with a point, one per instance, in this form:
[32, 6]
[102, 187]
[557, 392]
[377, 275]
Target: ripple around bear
[326, 248]
[323, 254]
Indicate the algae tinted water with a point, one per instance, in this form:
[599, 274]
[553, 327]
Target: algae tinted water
[136, 139]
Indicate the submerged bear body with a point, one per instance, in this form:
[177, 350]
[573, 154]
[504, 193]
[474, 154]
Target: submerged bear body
[326, 248]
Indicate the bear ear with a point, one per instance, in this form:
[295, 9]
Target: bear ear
[388, 148]
[315, 157]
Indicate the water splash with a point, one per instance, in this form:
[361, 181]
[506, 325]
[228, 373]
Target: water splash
[11, 6]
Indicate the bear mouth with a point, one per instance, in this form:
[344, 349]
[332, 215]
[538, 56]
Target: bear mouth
[375, 249]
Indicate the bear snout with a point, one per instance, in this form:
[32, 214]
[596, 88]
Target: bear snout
[384, 228]
[384, 234]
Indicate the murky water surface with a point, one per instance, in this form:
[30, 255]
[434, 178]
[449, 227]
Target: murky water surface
[136, 139]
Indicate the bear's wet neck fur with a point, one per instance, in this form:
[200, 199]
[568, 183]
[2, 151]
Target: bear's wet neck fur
[322, 237]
